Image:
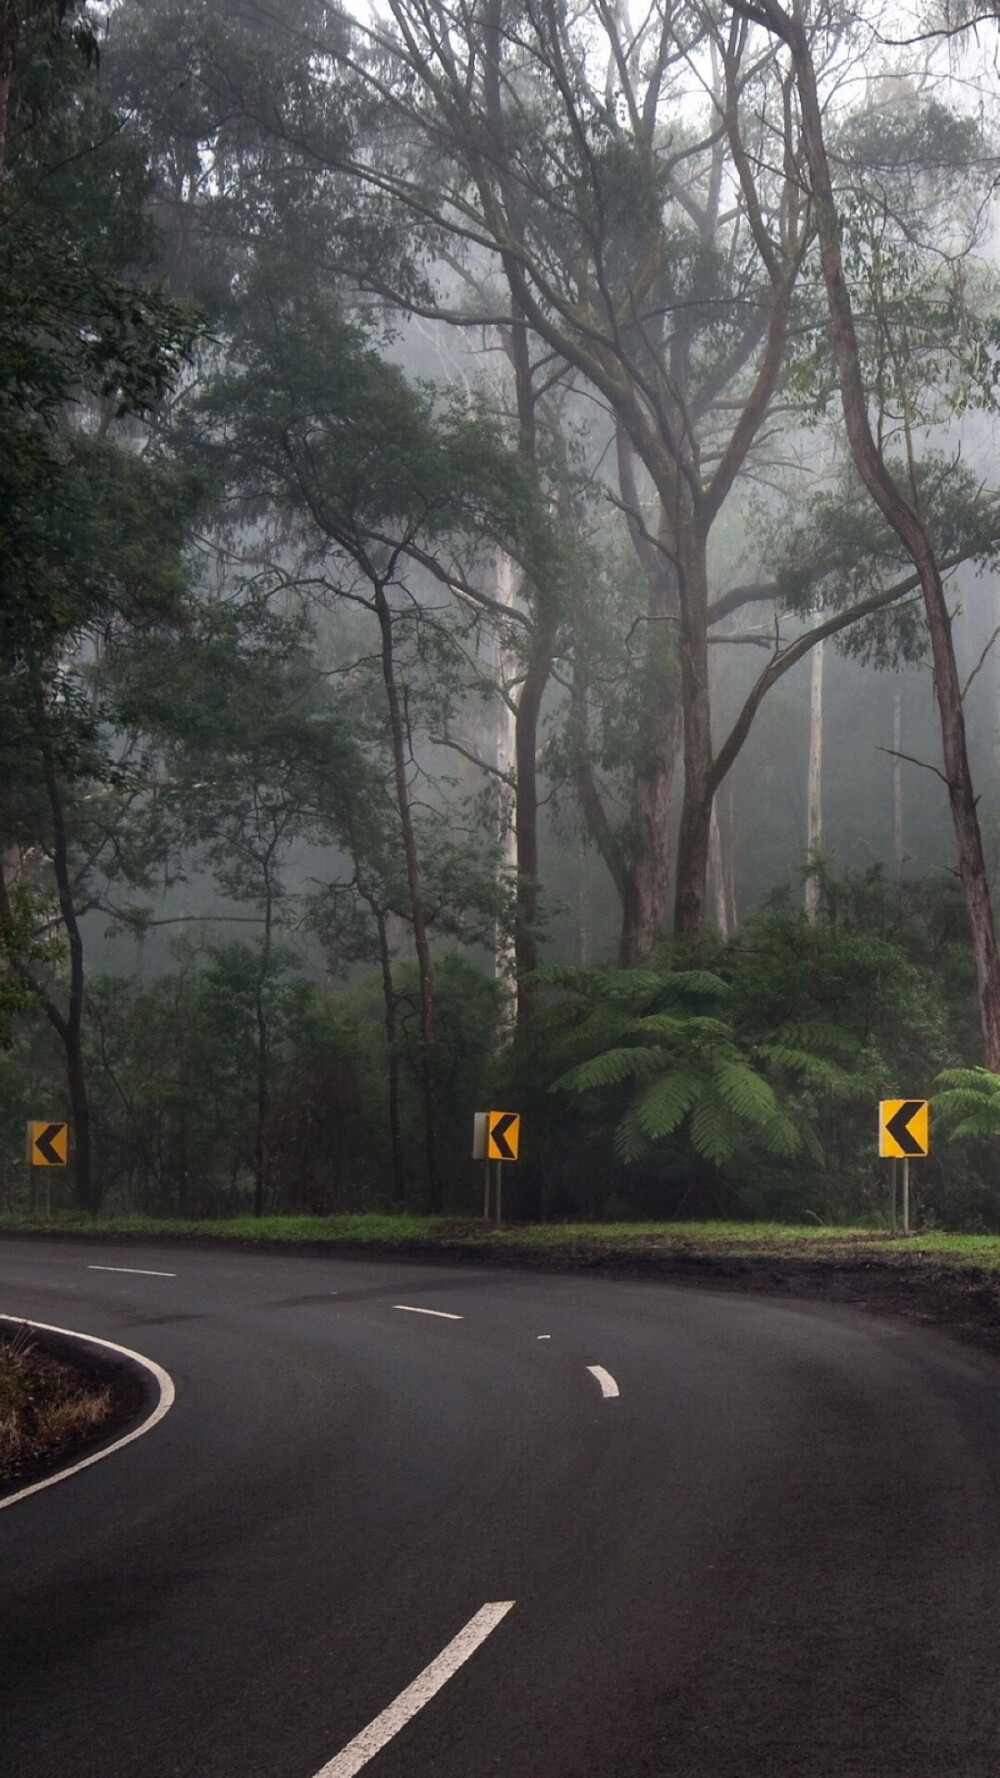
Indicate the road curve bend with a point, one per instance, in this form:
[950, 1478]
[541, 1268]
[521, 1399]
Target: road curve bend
[440, 1544]
[165, 1396]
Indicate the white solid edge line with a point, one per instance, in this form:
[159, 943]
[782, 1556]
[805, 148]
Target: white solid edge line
[163, 1406]
[371, 1740]
[608, 1385]
[442, 1314]
[133, 1271]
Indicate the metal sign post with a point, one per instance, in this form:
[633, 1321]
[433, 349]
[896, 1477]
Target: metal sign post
[903, 1132]
[495, 1139]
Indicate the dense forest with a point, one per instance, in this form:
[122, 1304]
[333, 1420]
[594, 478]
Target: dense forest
[499, 604]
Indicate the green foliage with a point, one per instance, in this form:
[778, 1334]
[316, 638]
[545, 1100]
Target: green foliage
[690, 1076]
[967, 1103]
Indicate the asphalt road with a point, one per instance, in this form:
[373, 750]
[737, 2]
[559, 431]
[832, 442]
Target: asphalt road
[775, 1551]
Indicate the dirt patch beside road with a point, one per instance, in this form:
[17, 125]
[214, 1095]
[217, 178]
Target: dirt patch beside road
[58, 1402]
[961, 1300]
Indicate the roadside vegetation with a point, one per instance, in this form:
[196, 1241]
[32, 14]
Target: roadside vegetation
[46, 1407]
[412, 651]
[574, 1243]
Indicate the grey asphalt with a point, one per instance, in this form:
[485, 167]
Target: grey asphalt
[778, 1552]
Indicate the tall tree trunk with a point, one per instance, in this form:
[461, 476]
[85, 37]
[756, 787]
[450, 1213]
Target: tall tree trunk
[392, 1053]
[897, 784]
[505, 760]
[645, 861]
[418, 913]
[582, 910]
[729, 859]
[996, 680]
[69, 1027]
[814, 795]
[263, 1054]
[647, 858]
[699, 789]
[540, 657]
[718, 870]
[906, 523]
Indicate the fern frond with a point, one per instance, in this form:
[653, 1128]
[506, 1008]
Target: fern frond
[747, 1094]
[977, 1080]
[781, 1135]
[664, 1103]
[817, 1070]
[630, 1140]
[713, 1132]
[681, 1027]
[700, 982]
[608, 1068]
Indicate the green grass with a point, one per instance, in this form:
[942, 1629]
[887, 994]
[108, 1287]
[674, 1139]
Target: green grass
[456, 1234]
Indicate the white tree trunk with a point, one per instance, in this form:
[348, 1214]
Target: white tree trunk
[814, 809]
[717, 868]
[996, 678]
[505, 760]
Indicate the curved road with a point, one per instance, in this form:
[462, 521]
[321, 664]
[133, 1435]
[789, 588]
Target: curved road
[775, 1551]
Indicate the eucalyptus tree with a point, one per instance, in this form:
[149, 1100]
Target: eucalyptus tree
[620, 201]
[902, 328]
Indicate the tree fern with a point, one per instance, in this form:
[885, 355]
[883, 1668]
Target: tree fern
[969, 1104]
[746, 1094]
[664, 1103]
[661, 1044]
[610, 1067]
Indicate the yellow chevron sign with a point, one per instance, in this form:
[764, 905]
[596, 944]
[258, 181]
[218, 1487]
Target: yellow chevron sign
[495, 1135]
[48, 1144]
[903, 1128]
[503, 1131]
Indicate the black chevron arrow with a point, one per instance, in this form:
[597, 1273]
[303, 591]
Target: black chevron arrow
[897, 1126]
[43, 1143]
[498, 1134]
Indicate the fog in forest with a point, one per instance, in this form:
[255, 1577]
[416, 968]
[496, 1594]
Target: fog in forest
[499, 603]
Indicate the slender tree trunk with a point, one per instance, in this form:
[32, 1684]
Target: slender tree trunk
[897, 784]
[729, 858]
[582, 910]
[70, 1028]
[814, 797]
[696, 809]
[263, 1056]
[909, 528]
[996, 680]
[414, 880]
[540, 658]
[392, 1053]
[718, 869]
[505, 760]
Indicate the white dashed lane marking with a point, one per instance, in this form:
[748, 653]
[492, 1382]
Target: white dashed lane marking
[133, 1271]
[608, 1385]
[371, 1740]
[442, 1314]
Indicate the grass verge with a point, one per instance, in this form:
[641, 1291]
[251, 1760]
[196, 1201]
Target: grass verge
[444, 1234]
